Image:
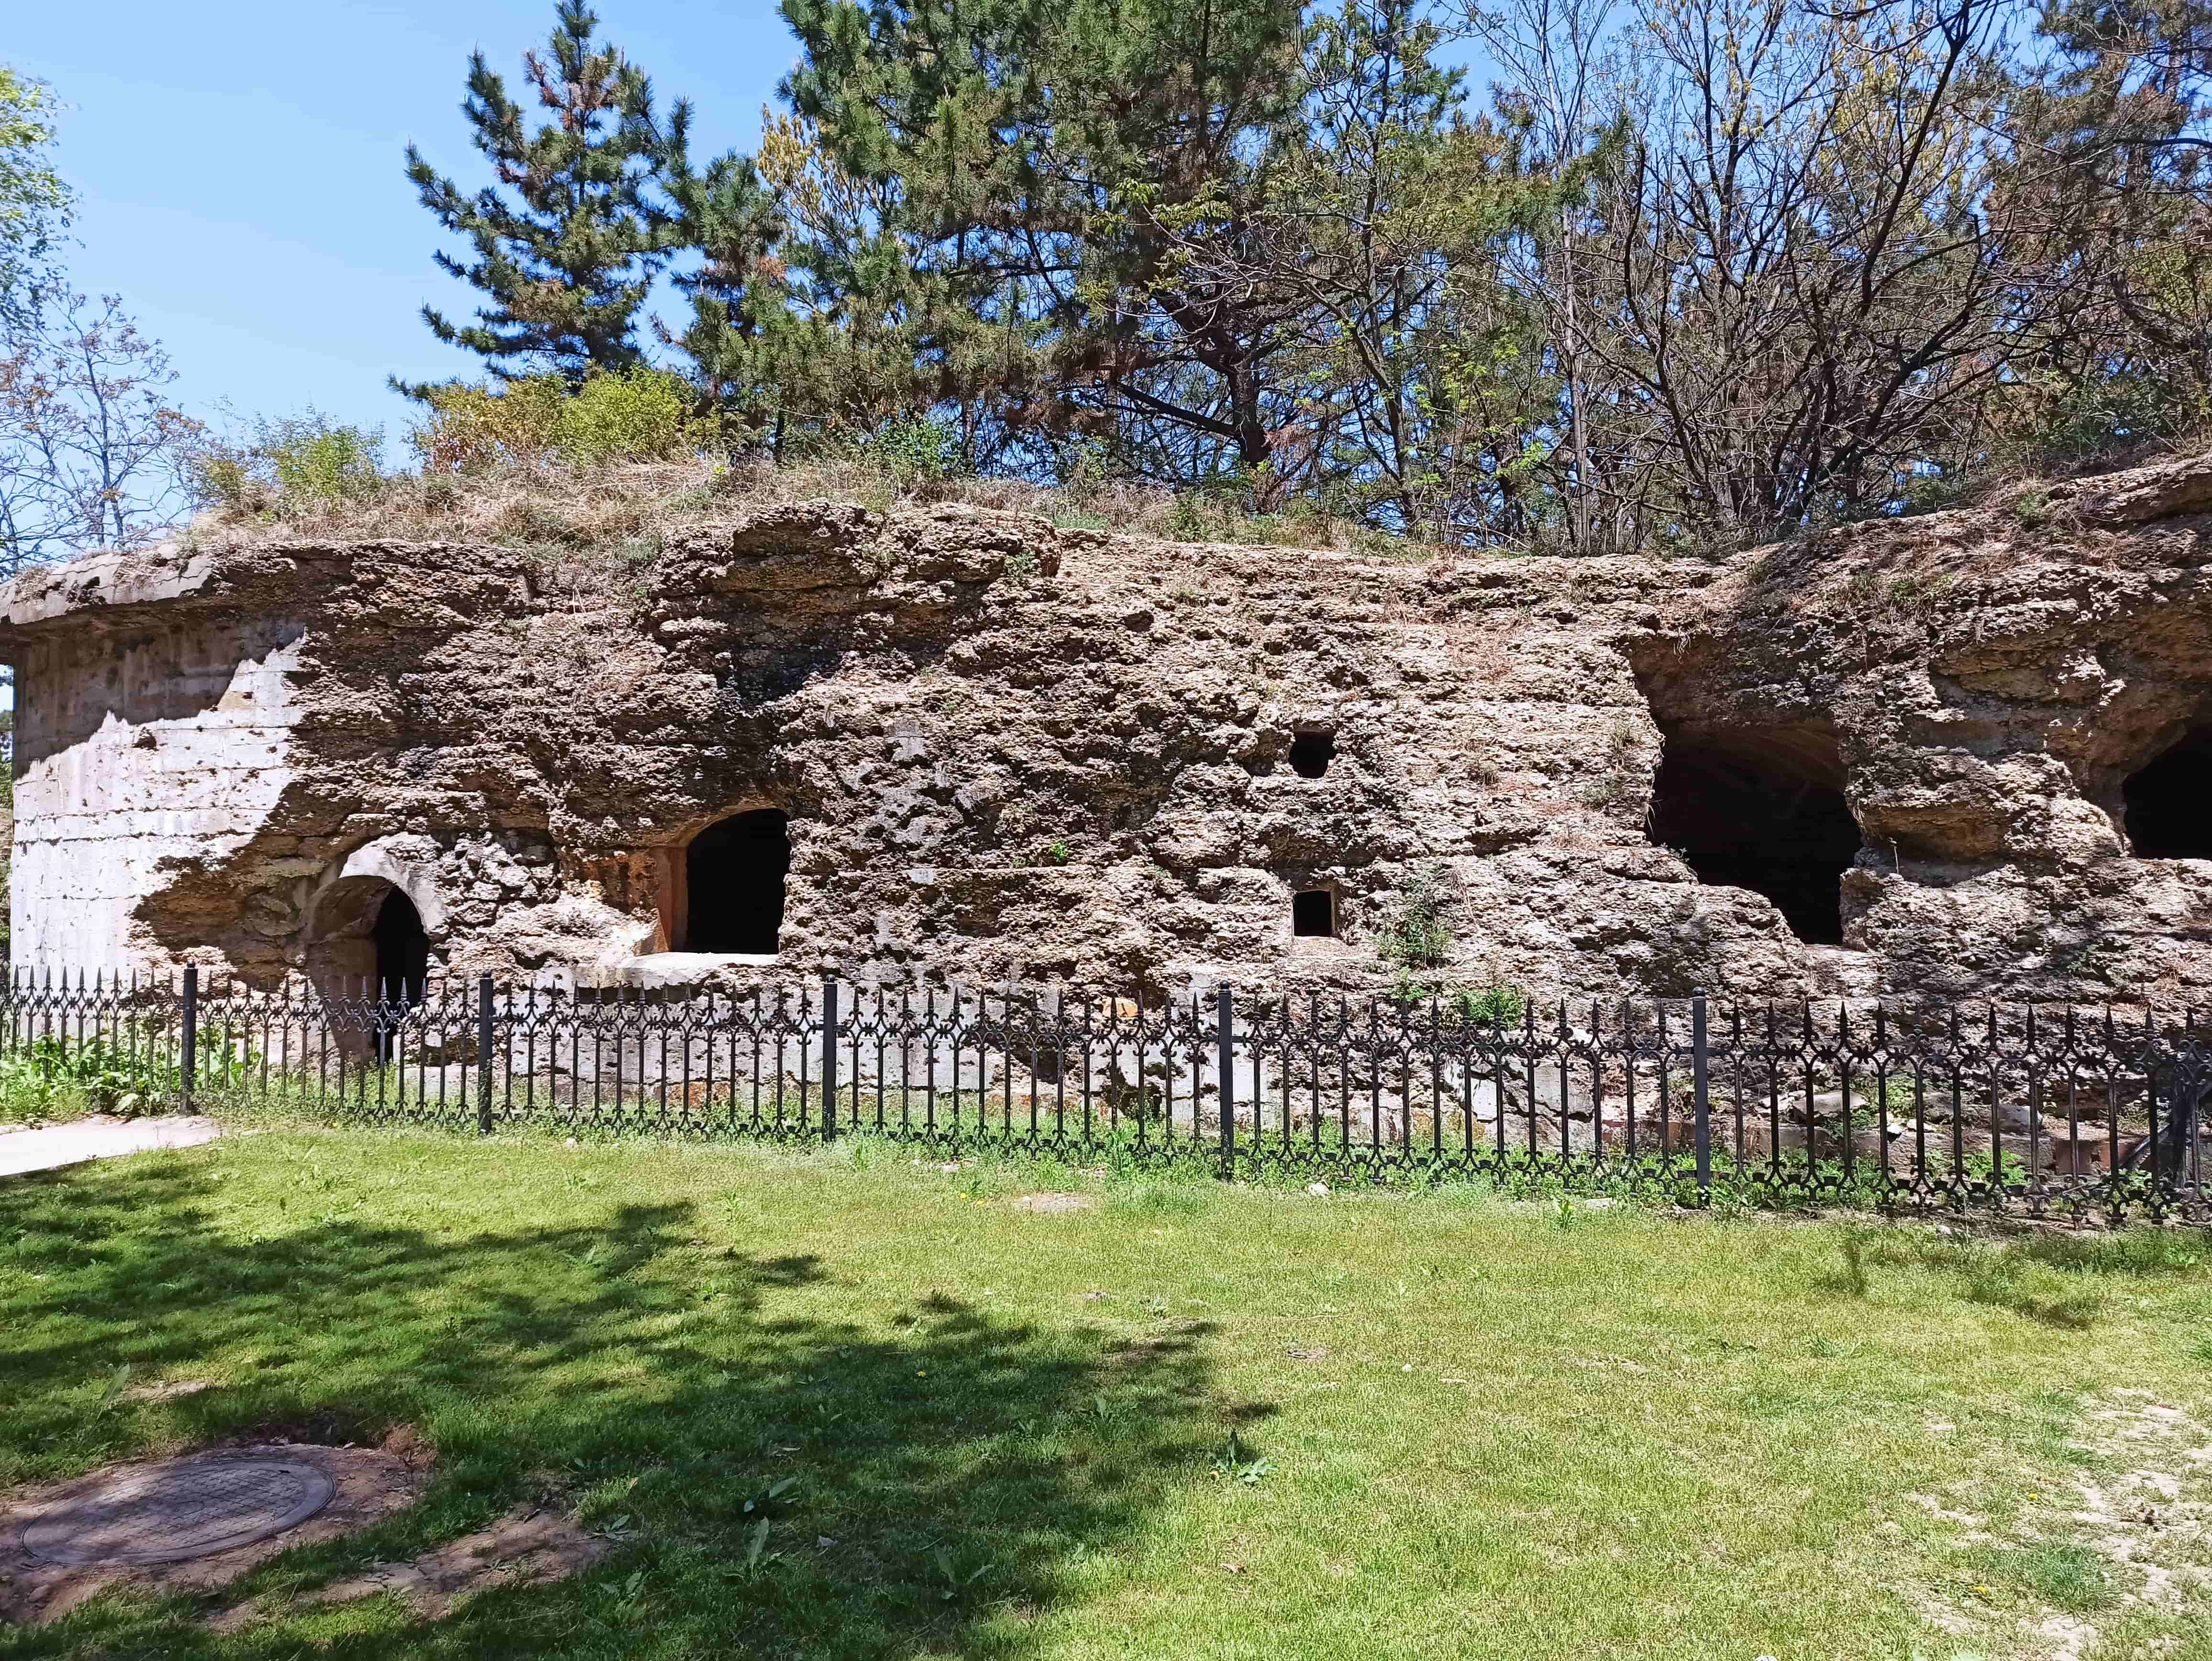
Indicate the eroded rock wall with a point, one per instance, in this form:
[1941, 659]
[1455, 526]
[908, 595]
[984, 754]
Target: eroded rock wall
[1009, 752]
[1992, 680]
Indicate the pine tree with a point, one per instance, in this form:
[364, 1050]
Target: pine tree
[1032, 158]
[737, 291]
[566, 254]
[2113, 152]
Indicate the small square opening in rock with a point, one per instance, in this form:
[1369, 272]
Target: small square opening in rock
[1311, 753]
[1314, 912]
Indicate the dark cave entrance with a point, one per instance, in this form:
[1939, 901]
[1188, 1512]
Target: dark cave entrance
[403, 950]
[369, 953]
[2169, 800]
[1314, 913]
[1311, 753]
[734, 884]
[1762, 810]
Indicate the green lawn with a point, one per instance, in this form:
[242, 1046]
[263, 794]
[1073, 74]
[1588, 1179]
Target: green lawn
[1462, 1428]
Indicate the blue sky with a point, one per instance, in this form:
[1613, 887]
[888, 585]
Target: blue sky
[240, 165]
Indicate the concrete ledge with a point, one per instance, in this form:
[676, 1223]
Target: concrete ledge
[112, 577]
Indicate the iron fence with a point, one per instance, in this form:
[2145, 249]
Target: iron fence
[2054, 1111]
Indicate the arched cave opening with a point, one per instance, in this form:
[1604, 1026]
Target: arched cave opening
[1314, 912]
[403, 950]
[1311, 753]
[1762, 809]
[2169, 800]
[733, 882]
[366, 942]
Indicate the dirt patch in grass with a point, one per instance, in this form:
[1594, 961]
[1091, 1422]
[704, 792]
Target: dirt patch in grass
[525, 1549]
[2096, 1549]
[370, 1483]
[165, 1390]
[1057, 1205]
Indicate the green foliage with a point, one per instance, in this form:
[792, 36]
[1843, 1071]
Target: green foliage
[915, 452]
[298, 461]
[1418, 939]
[1419, 934]
[1494, 1005]
[1019, 191]
[1280, 261]
[640, 415]
[2113, 118]
[48, 1079]
[752, 358]
[471, 426]
[36, 204]
[567, 256]
[315, 457]
[1237, 1464]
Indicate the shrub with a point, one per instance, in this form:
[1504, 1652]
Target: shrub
[317, 458]
[100, 1075]
[641, 416]
[638, 417]
[304, 458]
[470, 428]
[1186, 519]
[1419, 935]
[1494, 1006]
[916, 452]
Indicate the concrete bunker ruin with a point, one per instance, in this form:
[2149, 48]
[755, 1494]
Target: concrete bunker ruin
[1006, 752]
[1761, 808]
[2169, 800]
[734, 874]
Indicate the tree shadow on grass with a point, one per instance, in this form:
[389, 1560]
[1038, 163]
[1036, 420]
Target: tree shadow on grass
[941, 1484]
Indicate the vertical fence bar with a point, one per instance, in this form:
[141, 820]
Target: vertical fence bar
[1701, 1096]
[188, 1062]
[829, 1060]
[484, 1054]
[1224, 1038]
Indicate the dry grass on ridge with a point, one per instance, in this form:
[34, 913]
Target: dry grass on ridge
[627, 509]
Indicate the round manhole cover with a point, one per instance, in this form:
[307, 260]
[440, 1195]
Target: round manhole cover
[167, 1513]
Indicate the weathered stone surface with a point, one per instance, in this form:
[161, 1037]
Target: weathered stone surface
[1012, 752]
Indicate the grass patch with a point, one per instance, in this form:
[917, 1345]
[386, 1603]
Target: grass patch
[850, 1402]
[2062, 1573]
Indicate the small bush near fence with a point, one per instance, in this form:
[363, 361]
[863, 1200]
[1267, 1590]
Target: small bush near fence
[2056, 1111]
[51, 1078]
